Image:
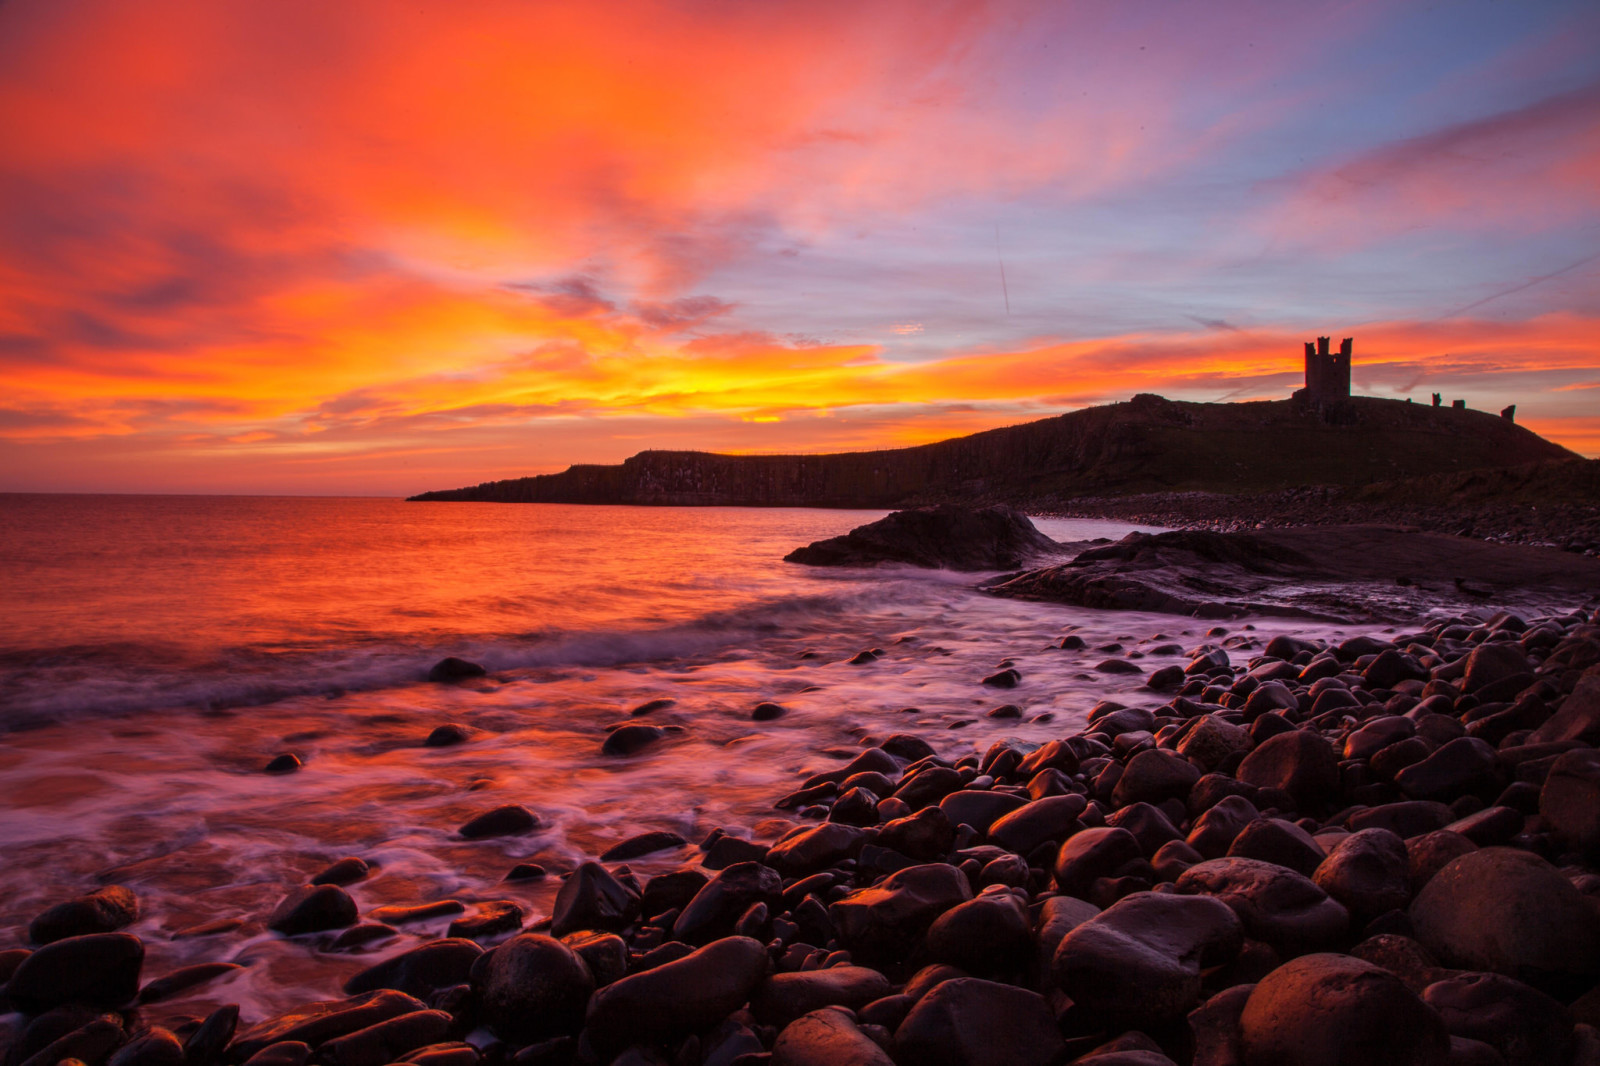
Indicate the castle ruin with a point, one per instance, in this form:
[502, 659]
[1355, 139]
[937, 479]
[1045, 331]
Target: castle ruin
[1327, 378]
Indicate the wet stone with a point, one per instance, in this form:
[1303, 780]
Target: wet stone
[885, 920]
[679, 997]
[531, 988]
[511, 819]
[783, 997]
[631, 739]
[420, 971]
[493, 918]
[1275, 904]
[447, 735]
[312, 909]
[720, 902]
[971, 1022]
[990, 935]
[452, 669]
[316, 1023]
[641, 845]
[592, 898]
[343, 872]
[103, 911]
[286, 763]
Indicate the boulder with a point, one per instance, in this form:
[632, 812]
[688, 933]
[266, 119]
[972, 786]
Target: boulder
[1570, 799]
[1275, 904]
[1426, 855]
[1211, 741]
[1368, 872]
[1330, 1010]
[1280, 842]
[1491, 662]
[1510, 912]
[313, 909]
[512, 819]
[1047, 820]
[815, 849]
[676, 998]
[979, 809]
[882, 922]
[1092, 854]
[1577, 719]
[591, 898]
[387, 1040]
[1137, 964]
[719, 904]
[420, 971]
[1214, 831]
[1524, 1025]
[1298, 762]
[926, 836]
[1154, 775]
[97, 969]
[1464, 765]
[987, 936]
[630, 739]
[950, 536]
[826, 1038]
[104, 910]
[531, 988]
[316, 1023]
[452, 669]
[971, 1022]
[783, 997]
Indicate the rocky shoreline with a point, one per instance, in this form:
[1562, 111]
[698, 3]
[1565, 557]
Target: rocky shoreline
[1380, 851]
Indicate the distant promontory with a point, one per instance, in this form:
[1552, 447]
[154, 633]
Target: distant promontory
[1147, 445]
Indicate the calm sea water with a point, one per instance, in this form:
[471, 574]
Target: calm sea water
[156, 652]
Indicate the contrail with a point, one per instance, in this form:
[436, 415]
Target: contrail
[1541, 279]
[1004, 291]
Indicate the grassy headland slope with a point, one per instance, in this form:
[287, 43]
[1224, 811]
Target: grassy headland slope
[1148, 444]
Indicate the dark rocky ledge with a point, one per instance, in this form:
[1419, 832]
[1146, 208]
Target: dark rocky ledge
[949, 536]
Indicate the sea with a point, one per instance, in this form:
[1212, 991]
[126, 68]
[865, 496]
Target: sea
[156, 652]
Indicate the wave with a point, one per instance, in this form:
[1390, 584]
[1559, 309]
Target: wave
[41, 686]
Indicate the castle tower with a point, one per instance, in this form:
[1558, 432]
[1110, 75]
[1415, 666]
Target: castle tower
[1327, 376]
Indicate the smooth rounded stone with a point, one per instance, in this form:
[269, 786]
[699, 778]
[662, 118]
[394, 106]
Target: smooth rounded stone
[1058, 916]
[1464, 1052]
[1275, 904]
[1211, 741]
[1149, 826]
[1115, 720]
[316, 1023]
[591, 898]
[531, 988]
[1138, 962]
[104, 910]
[100, 969]
[719, 903]
[928, 786]
[184, 978]
[1329, 1010]
[1280, 842]
[1117, 666]
[813, 850]
[857, 807]
[1043, 821]
[1269, 697]
[1010, 677]
[1299, 762]
[1214, 830]
[447, 736]
[204, 1046]
[907, 746]
[1376, 734]
[671, 890]
[1368, 872]
[511, 819]
[406, 913]
[1464, 765]
[362, 934]
[1524, 1025]
[43, 1044]
[343, 872]
[881, 922]
[1126, 1050]
[420, 971]
[1165, 678]
[1005, 710]
[606, 954]
[526, 871]
[387, 1040]
[630, 739]
[1403, 957]
[1426, 855]
[1390, 668]
[1510, 912]
[1400, 755]
[442, 1054]
[1215, 1030]
[1490, 662]
[971, 1022]
[926, 836]
[283, 1053]
[826, 1038]
[493, 917]
[979, 809]
[1406, 819]
[153, 1047]
[1570, 799]
[1172, 858]
[642, 844]
[783, 997]
[1093, 854]
[768, 712]
[1578, 718]
[728, 849]
[451, 669]
[684, 996]
[284, 763]
[988, 935]
[1154, 775]
[1490, 826]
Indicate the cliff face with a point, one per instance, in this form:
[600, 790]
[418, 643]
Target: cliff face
[1145, 445]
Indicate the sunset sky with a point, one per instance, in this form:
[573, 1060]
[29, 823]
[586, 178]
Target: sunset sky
[381, 247]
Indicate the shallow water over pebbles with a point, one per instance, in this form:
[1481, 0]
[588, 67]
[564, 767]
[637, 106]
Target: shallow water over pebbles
[144, 702]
